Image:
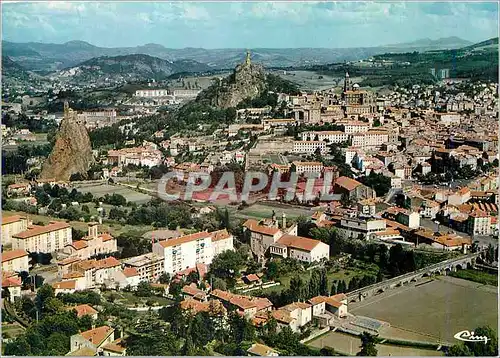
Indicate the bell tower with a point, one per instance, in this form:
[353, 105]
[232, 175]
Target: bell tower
[347, 83]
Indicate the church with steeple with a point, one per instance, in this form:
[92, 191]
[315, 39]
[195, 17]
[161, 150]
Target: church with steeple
[357, 101]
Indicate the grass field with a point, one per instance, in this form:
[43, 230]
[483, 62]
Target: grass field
[101, 189]
[11, 330]
[130, 300]
[351, 345]
[439, 308]
[482, 277]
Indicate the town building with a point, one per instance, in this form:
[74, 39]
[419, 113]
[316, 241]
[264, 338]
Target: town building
[91, 245]
[360, 227]
[309, 147]
[353, 189]
[15, 261]
[48, 238]
[325, 136]
[186, 251]
[12, 225]
[148, 266]
[300, 248]
[307, 167]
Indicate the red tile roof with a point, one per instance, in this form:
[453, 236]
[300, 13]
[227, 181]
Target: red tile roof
[347, 183]
[12, 281]
[35, 230]
[183, 239]
[83, 310]
[97, 335]
[298, 242]
[130, 271]
[11, 219]
[14, 254]
[65, 285]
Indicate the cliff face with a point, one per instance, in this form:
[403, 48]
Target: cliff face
[72, 152]
[247, 81]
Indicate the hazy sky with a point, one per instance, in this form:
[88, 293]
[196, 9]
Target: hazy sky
[247, 24]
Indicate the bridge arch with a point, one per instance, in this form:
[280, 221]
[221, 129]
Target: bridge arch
[459, 266]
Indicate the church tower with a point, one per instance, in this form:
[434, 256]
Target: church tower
[347, 83]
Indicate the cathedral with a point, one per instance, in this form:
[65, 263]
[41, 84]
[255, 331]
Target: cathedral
[357, 101]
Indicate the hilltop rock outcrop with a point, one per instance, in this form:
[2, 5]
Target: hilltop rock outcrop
[247, 81]
[72, 152]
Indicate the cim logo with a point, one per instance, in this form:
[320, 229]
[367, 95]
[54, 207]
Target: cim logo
[467, 336]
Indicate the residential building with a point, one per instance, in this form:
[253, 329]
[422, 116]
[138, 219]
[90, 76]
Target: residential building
[351, 127]
[46, 239]
[84, 310]
[12, 225]
[295, 315]
[186, 251]
[446, 242]
[373, 139]
[261, 350]
[307, 167]
[245, 305]
[15, 261]
[353, 189]
[11, 286]
[93, 339]
[479, 223]
[149, 266]
[360, 227]
[300, 248]
[309, 146]
[462, 196]
[325, 136]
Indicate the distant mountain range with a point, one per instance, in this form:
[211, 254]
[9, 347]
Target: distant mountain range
[43, 57]
[131, 67]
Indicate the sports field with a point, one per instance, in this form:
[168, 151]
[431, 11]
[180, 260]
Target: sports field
[101, 189]
[439, 308]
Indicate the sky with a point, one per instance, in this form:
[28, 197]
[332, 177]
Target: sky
[251, 24]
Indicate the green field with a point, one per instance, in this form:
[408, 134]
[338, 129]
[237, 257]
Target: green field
[482, 277]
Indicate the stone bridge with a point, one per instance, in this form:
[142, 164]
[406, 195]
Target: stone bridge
[441, 268]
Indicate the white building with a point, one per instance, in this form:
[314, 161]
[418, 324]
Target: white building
[46, 239]
[362, 227]
[307, 167]
[186, 251]
[351, 127]
[12, 225]
[329, 136]
[152, 93]
[370, 140]
[300, 248]
[309, 146]
[15, 261]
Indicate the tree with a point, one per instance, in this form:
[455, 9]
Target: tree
[164, 278]
[144, 289]
[368, 347]
[42, 198]
[227, 264]
[481, 349]
[272, 270]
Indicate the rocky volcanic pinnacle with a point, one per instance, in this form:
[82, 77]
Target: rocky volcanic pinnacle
[72, 152]
[247, 81]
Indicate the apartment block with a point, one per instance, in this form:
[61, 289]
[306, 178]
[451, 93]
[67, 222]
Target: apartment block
[45, 239]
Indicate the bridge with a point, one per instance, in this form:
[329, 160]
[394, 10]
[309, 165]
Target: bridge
[441, 268]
